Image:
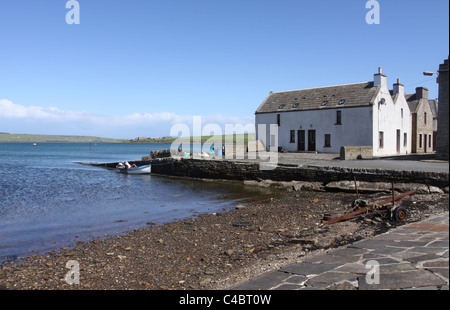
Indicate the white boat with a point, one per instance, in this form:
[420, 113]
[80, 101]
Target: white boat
[147, 169]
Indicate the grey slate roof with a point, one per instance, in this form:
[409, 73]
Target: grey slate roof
[434, 107]
[355, 95]
[413, 103]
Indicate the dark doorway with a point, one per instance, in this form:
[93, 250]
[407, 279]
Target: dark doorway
[311, 140]
[301, 140]
[425, 143]
[398, 141]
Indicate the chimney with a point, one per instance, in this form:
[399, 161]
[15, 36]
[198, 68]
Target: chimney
[399, 89]
[380, 79]
[421, 93]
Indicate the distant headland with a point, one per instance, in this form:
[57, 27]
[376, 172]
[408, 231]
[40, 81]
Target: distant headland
[35, 138]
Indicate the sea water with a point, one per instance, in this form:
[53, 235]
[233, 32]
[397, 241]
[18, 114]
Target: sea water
[48, 201]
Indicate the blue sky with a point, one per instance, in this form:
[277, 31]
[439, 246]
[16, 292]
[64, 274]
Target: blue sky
[137, 67]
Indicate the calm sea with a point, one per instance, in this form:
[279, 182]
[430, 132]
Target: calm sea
[47, 201]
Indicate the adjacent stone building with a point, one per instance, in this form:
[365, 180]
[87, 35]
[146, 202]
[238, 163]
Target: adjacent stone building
[443, 125]
[421, 121]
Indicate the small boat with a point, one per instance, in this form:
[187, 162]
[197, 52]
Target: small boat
[147, 169]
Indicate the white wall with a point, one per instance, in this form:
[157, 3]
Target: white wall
[403, 121]
[387, 118]
[355, 127]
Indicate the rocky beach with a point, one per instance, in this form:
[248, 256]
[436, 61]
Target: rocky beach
[212, 251]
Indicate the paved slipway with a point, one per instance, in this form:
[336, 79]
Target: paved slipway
[411, 257]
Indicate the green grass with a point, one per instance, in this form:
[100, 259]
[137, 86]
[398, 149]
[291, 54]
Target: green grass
[13, 137]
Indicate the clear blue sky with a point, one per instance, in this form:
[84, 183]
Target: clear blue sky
[134, 68]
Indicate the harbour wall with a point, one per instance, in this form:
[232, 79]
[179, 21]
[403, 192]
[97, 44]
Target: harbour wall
[248, 170]
[242, 171]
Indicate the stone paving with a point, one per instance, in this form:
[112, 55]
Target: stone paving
[416, 162]
[411, 257]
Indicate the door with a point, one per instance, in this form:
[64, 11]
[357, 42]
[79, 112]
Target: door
[311, 140]
[301, 140]
[425, 143]
[398, 141]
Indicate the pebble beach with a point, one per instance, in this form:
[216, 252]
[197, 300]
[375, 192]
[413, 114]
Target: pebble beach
[210, 251]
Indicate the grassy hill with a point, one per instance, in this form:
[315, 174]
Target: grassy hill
[14, 137]
[203, 139]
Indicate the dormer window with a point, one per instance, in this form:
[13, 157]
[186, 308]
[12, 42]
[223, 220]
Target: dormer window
[295, 105]
[281, 106]
[324, 103]
[341, 102]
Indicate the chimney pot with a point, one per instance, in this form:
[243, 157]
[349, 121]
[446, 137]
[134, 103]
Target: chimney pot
[421, 93]
[398, 89]
[380, 79]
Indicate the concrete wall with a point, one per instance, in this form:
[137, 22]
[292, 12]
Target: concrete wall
[443, 112]
[242, 171]
[231, 170]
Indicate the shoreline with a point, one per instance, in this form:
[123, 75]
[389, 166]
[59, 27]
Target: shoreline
[211, 251]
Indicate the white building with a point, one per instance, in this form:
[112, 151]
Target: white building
[327, 118]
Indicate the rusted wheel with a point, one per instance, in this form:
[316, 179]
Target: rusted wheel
[400, 214]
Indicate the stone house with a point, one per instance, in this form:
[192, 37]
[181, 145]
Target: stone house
[421, 121]
[325, 119]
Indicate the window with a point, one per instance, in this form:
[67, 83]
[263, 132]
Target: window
[327, 140]
[338, 117]
[273, 141]
[292, 140]
[405, 139]
[324, 103]
[420, 141]
[401, 111]
[278, 120]
[425, 118]
[429, 141]
[381, 139]
[295, 105]
[281, 106]
[341, 102]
